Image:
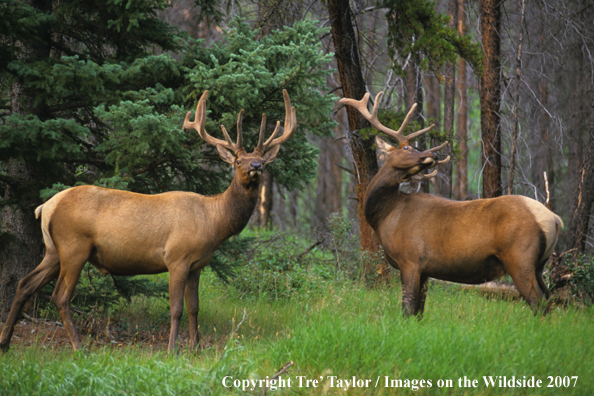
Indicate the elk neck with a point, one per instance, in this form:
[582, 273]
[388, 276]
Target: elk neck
[382, 194]
[236, 205]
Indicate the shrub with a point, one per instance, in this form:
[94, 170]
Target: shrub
[282, 266]
[582, 280]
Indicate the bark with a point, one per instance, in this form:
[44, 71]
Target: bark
[329, 192]
[585, 195]
[433, 104]
[413, 93]
[490, 96]
[22, 243]
[461, 180]
[353, 86]
[515, 132]
[444, 182]
[272, 14]
[22, 247]
[541, 147]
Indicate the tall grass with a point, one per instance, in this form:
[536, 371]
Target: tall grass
[322, 316]
[349, 330]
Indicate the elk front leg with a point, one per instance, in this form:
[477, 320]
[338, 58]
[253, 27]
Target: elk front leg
[192, 306]
[422, 295]
[177, 284]
[411, 286]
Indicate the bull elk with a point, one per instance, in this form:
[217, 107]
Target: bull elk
[426, 236]
[126, 233]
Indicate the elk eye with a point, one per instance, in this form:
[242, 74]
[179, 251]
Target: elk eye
[407, 148]
[238, 162]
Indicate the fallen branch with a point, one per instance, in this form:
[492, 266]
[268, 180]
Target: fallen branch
[234, 331]
[280, 372]
[45, 321]
[309, 249]
[344, 168]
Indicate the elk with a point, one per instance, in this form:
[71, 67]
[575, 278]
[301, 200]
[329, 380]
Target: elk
[426, 236]
[126, 233]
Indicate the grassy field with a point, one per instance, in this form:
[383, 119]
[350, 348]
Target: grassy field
[345, 339]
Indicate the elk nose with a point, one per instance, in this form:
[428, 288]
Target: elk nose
[256, 166]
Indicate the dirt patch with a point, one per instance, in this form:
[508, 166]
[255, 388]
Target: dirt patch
[97, 334]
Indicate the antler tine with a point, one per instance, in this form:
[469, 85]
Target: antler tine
[200, 121]
[240, 130]
[262, 132]
[361, 106]
[290, 125]
[437, 148]
[421, 177]
[235, 147]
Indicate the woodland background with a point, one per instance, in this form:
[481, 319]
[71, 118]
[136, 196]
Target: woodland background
[96, 94]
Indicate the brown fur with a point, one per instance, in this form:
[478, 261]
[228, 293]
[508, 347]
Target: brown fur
[125, 233]
[425, 236]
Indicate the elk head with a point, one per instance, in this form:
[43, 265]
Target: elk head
[405, 160]
[248, 166]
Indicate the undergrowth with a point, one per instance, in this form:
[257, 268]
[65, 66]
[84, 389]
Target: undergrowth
[310, 309]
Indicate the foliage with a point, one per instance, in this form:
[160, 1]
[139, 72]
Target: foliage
[416, 27]
[249, 73]
[281, 267]
[104, 103]
[347, 330]
[581, 268]
[349, 261]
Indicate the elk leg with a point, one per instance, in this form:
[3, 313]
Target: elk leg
[542, 284]
[177, 284]
[411, 285]
[70, 270]
[422, 295]
[192, 305]
[528, 286]
[46, 271]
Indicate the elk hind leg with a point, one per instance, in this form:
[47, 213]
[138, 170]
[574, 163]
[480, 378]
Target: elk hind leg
[71, 265]
[46, 271]
[192, 306]
[529, 284]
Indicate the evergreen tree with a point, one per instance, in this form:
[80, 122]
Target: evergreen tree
[91, 95]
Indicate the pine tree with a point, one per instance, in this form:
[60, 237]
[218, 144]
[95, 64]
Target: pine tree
[92, 94]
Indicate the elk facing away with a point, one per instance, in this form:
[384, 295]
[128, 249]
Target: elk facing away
[425, 236]
[125, 233]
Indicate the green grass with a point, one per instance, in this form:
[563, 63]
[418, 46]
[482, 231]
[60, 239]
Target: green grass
[347, 330]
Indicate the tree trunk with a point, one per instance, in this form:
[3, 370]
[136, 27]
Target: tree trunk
[353, 86]
[444, 182]
[22, 247]
[272, 14]
[413, 93]
[461, 180]
[22, 243]
[516, 123]
[490, 95]
[329, 193]
[578, 228]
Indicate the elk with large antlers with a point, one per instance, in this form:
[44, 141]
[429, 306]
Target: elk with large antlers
[426, 236]
[125, 233]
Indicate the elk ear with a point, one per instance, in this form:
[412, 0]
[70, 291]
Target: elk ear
[271, 154]
[383, 146]
[226, 155]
